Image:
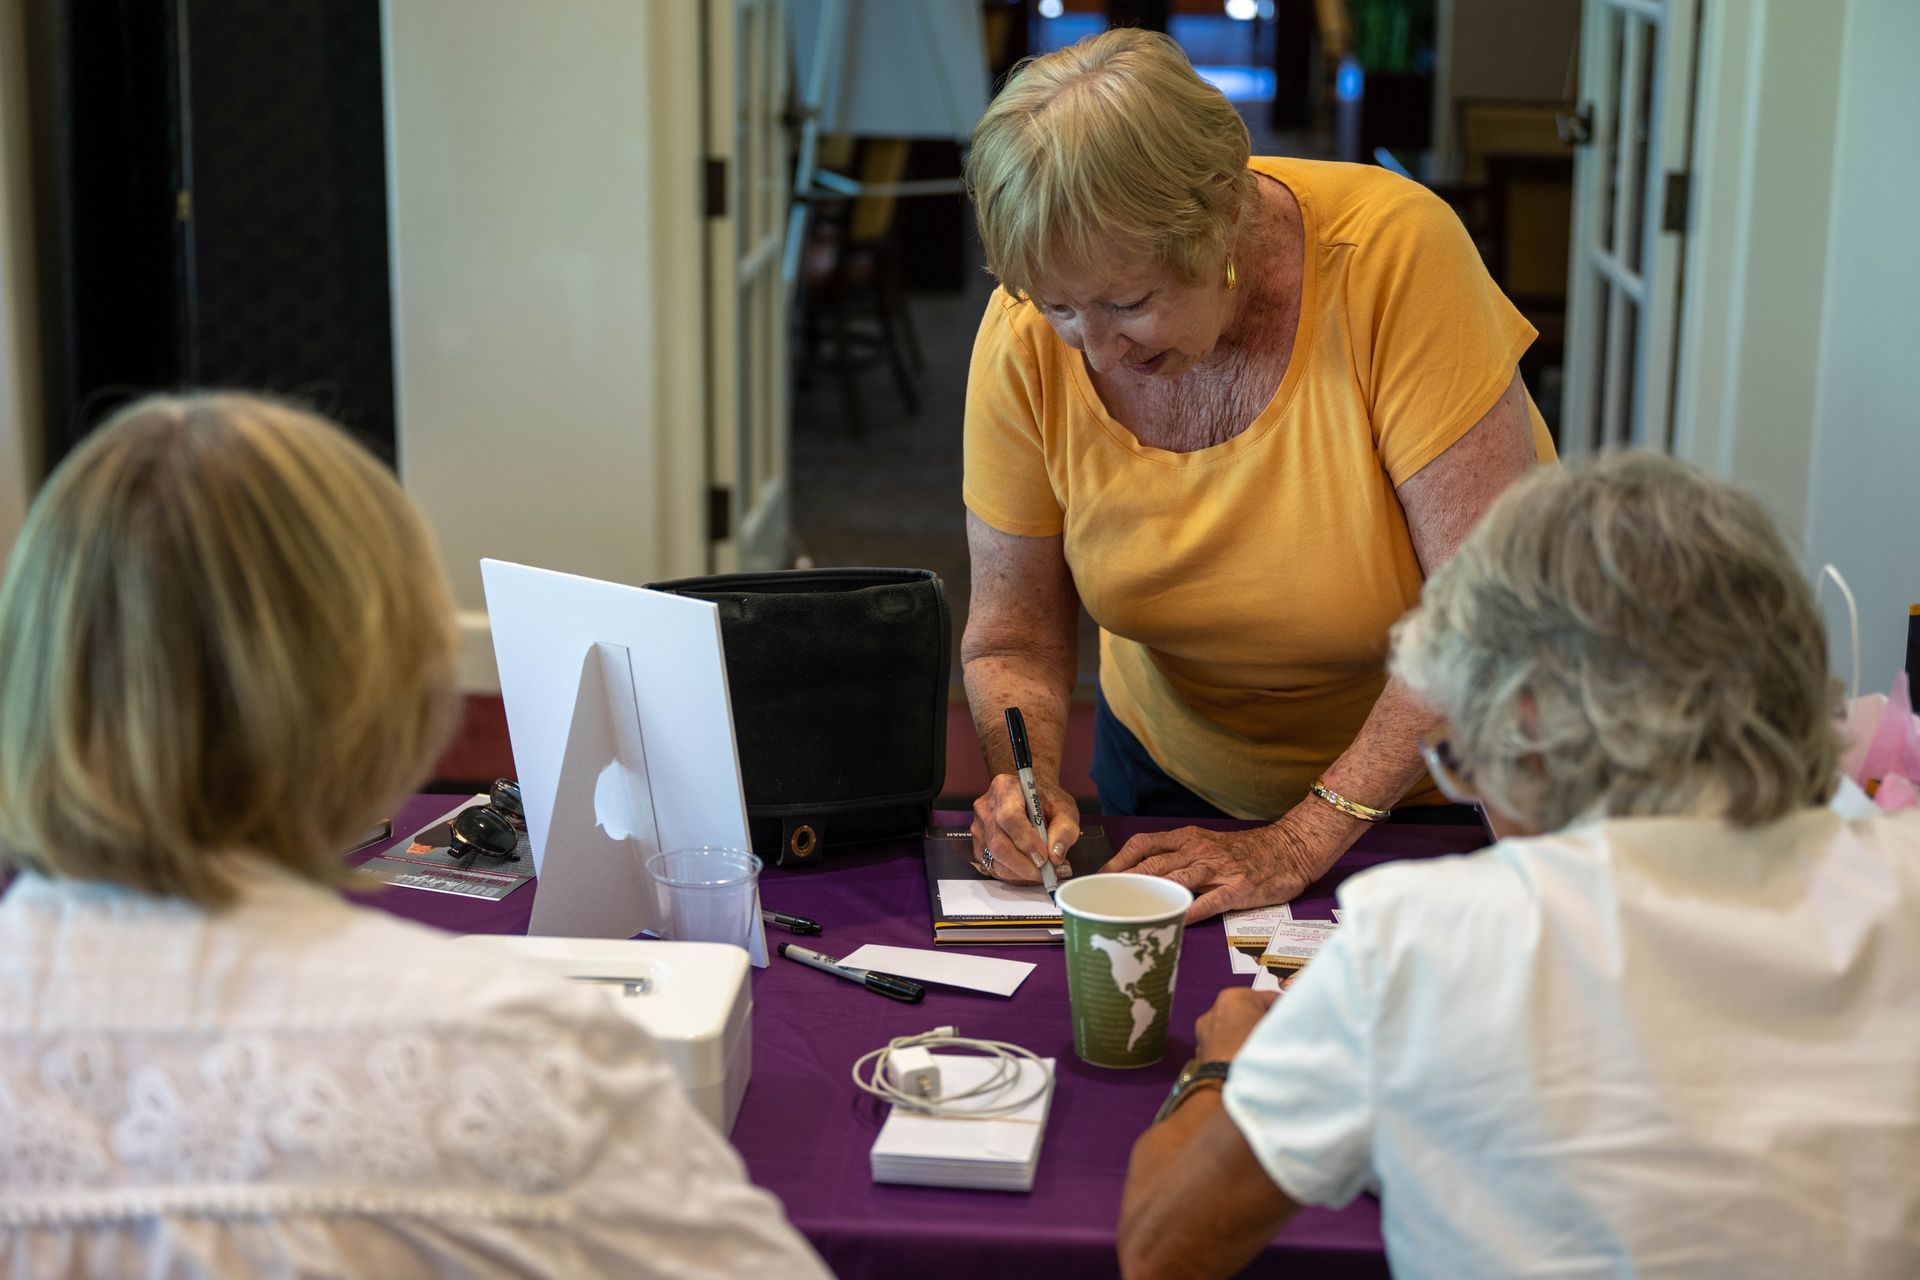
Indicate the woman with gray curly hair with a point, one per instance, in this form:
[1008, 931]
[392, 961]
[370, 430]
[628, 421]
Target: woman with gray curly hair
[1668, 1027]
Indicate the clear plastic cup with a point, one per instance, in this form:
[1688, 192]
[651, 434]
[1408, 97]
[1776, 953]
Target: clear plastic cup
[707, 894]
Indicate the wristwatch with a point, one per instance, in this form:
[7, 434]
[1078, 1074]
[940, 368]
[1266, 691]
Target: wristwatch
[1195, 1074]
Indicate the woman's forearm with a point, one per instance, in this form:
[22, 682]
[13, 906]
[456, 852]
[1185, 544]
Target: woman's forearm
[1022, 644]
[1377, 769]
[1039, 684]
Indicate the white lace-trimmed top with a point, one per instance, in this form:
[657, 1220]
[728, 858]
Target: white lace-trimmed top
[299, 1086]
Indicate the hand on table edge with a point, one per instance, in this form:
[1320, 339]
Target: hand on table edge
[1233, 870]
[1197, 1202]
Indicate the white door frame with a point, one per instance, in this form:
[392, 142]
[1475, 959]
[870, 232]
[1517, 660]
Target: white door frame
[1752, 322]
[1629, 223]
[747, 299]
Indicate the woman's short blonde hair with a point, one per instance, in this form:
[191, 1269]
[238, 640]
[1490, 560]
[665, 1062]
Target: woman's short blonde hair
[224, 629]
[1108, 151]
[1632, 636]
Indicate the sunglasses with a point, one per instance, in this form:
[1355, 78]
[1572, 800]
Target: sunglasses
[1454, 779]
[491, 830]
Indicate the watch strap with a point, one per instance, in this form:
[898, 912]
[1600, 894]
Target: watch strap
[1192, 1076]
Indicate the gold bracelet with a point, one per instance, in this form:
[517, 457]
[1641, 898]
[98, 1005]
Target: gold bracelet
[1352, 808]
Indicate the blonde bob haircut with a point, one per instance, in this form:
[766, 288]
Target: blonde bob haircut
[1110, 151]
[224, 629]
[1630, 637]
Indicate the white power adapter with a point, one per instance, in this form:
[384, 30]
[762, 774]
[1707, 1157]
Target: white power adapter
[904, 1072]
[913, 1072]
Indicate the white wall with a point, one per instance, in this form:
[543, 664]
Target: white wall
[20, 440]
[547, 287]
[1864, 494]
[1751, 325]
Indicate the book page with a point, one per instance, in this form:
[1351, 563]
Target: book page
[995, 899]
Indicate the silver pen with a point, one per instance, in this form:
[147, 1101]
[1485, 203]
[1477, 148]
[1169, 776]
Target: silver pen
[1023, 763]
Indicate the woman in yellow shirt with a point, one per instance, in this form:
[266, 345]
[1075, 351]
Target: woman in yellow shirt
[1238, 407]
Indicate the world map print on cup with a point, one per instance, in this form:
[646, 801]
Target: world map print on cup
[1123, 953]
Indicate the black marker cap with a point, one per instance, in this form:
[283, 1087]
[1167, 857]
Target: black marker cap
[1017, 735]
[898, 988]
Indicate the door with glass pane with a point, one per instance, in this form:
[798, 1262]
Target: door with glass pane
[746, 60]
[1630, 193]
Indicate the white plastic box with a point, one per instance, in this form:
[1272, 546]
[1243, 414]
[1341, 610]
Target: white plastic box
[697, 1004]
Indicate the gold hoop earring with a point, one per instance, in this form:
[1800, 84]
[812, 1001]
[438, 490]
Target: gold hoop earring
[1233, 277]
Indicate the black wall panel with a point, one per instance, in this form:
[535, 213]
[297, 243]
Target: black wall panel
[222, 207]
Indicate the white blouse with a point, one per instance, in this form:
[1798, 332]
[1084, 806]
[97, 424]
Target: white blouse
[1640, 1047]
[298, 1086]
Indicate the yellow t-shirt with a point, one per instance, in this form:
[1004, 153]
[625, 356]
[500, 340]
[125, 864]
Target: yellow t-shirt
[1244, 591]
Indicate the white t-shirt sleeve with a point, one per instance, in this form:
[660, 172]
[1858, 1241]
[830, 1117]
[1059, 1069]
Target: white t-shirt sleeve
[1301, 1089]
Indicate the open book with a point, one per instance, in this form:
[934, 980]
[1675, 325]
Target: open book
[971, 910]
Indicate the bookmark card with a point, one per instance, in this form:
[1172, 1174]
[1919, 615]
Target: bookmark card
[1247, 934]
[1293, 944]
[1253, 928]
[948, 968]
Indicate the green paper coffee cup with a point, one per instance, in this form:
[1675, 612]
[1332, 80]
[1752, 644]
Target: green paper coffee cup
[1123, 951]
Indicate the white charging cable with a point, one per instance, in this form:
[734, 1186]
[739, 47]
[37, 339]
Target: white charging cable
[904, 1073]
[1853, 620]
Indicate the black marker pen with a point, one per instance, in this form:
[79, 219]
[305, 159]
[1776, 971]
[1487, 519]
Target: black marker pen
[796, 924]
[1023, 765]
[884, 983]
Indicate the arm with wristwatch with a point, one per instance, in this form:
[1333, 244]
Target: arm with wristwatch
[1197, 1202]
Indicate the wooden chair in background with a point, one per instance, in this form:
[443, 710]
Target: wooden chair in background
[855, 304]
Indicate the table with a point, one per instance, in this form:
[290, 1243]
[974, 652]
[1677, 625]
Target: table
[804, 1131]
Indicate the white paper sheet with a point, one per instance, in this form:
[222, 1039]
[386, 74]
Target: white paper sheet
[1266, 980]
[997, 899]
[948, 968]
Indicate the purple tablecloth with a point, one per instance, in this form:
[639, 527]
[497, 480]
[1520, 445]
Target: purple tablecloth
[805, 1131]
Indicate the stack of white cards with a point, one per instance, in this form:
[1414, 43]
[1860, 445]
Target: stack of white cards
[990, 1153]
